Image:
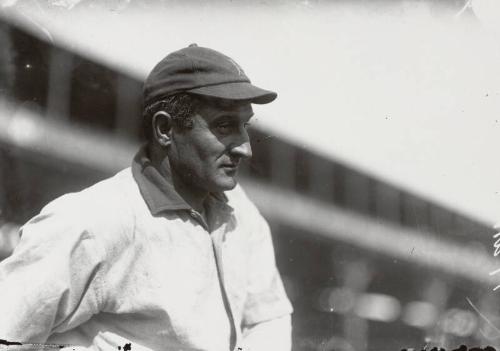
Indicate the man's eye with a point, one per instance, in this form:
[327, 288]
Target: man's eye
[224, 128]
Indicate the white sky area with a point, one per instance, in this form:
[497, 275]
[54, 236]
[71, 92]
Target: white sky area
[402, 93]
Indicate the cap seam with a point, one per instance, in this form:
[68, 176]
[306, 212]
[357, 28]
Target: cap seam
[193, 66]
[220, 83]
[196, 87]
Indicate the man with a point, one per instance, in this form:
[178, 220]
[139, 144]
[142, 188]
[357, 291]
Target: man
[166, 255]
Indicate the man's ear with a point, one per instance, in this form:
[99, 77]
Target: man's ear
[162, 127]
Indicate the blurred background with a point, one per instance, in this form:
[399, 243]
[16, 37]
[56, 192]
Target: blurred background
[377, 167]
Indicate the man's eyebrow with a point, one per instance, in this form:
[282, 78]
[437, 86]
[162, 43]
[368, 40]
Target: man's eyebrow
[231, 117]
[224, 117]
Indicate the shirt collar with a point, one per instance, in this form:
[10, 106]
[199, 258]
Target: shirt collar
[158, 190]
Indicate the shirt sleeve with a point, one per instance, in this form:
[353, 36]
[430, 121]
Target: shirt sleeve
[51, 282]
[267, 308]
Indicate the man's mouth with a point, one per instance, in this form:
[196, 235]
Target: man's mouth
[230, 166]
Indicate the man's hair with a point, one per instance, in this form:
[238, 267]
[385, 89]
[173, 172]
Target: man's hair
[181, 107]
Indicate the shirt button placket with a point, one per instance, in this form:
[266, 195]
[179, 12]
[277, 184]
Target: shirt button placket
[219, 260]
[197, 217]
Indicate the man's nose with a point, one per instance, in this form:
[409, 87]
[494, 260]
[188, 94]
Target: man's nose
[242, 148]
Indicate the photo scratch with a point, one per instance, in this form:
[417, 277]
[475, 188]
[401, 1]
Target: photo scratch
[483, 317]
[495, 271]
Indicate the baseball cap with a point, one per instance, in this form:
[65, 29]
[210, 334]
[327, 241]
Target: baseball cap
[202, 71]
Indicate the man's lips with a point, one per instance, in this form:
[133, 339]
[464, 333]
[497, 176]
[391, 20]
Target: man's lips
[230, 166]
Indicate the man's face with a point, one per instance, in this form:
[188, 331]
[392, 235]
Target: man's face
[207, 156]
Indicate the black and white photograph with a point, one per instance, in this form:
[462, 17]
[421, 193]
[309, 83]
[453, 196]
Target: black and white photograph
[236, 175]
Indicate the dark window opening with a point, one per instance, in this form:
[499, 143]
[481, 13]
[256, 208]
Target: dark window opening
[29, 59]
[93, 95]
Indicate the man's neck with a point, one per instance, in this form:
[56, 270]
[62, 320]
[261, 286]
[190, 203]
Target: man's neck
[194, 196]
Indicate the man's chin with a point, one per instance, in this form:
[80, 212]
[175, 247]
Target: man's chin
[226, 184]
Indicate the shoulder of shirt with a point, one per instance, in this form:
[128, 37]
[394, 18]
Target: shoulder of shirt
[105, 193]
[103, 207]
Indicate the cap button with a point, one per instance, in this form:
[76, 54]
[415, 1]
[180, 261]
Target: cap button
[193, 45]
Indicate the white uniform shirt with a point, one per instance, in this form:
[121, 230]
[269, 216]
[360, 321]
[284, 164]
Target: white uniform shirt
[128, 261]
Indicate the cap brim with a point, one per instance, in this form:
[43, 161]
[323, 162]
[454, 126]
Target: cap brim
[239, 91]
